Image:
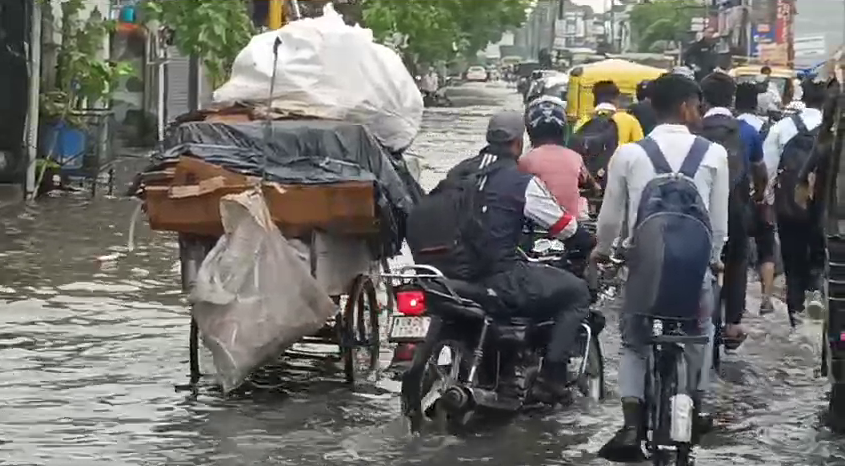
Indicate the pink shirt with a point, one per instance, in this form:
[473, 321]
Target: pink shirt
[560, 169]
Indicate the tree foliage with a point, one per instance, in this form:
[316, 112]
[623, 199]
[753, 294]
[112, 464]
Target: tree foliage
[666, 20]
[440, 29]
[214, 30]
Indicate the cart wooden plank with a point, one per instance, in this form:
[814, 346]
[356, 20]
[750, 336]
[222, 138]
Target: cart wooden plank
[191, 202]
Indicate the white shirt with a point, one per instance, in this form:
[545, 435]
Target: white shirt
[755, 121]
[779, 135]
[605, 107]
[769, 101]
[630, 170]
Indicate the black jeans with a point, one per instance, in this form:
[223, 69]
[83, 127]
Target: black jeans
[736, 268]
[542, 292]
[802, 246]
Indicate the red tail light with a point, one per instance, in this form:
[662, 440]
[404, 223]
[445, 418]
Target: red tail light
[410, 303]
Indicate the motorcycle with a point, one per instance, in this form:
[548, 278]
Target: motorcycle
[460, 348]
[437, 98]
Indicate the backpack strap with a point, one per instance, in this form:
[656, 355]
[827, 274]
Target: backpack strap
[691, 163]
[695, 156]
[799, 123]
[658, 160]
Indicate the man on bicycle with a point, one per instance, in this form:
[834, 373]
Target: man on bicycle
[676, 101]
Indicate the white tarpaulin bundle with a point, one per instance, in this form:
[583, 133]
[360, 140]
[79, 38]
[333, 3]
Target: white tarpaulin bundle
[254, 297]
[327, 69]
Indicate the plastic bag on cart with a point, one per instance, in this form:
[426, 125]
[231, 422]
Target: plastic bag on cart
[254, 297]
[327, 69]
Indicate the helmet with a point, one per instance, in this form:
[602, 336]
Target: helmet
[545, 119]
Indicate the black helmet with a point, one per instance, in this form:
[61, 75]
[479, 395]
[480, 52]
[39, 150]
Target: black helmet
[545, 119]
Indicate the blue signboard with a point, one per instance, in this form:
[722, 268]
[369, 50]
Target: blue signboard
[761, 34]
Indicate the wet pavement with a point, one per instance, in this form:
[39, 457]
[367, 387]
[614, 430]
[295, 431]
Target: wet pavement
[93, 342]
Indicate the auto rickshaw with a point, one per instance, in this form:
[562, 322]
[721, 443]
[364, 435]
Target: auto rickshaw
[781, 77]
[624, 73]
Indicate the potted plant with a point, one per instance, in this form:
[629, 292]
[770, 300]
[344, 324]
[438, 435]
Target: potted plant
[74, 111]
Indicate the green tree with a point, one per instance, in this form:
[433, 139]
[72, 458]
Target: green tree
[213, 30]
[666, 20]
[439, 29]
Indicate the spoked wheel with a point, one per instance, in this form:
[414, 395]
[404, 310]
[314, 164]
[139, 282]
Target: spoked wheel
[433, 392]
[359, 331]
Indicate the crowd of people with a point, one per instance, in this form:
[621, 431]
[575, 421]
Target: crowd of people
[689, 174]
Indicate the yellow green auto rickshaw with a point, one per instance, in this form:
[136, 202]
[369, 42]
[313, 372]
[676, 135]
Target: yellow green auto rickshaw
[625, 74]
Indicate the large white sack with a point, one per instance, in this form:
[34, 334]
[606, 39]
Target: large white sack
[253, 297]
[327, 69]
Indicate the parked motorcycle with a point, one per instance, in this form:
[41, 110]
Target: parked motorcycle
[461, 347]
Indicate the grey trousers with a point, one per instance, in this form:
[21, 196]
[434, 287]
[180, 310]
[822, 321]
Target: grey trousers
[635, 351]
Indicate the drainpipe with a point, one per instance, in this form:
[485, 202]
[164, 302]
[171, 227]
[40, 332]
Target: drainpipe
[34, 93]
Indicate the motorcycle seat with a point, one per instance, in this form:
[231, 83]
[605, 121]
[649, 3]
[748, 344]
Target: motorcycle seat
[524, 322]
[484, 297]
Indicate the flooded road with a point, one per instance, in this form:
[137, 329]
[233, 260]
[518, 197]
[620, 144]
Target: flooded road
[91, 352]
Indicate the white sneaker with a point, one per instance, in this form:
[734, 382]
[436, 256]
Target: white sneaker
[815, 306]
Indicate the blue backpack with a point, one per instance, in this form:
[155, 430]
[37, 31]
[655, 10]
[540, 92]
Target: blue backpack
[672, 240]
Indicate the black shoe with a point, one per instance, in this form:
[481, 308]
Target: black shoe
[550, 391]
[626, 445]
[702, 423]
[551, 385]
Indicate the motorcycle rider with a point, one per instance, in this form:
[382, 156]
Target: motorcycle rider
[512, 198]
[560, 168]
[676, 101]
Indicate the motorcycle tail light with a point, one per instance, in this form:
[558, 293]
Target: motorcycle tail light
[404, 352]
[410, 303]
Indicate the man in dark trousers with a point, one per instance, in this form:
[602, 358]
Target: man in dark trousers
[787, 149]
[745, 159]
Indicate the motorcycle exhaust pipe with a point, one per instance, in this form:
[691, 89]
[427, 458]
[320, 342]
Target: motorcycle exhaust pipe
[456, 399]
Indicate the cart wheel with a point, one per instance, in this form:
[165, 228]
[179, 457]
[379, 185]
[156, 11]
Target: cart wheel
[359, 332]
[194, 357]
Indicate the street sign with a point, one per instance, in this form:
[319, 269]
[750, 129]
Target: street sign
[810, 47]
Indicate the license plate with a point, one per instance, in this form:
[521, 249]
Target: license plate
[409, 328]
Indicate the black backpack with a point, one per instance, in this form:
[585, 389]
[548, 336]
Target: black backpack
[795, 154]
[724, 130]
[596, 141]
[442, 227]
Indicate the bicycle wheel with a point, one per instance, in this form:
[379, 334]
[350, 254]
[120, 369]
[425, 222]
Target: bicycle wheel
[666, 386]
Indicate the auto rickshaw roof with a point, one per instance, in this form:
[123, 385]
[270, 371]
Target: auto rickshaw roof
[617, 70]
[777, 71]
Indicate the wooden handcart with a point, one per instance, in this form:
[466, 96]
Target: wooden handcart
[184, 197]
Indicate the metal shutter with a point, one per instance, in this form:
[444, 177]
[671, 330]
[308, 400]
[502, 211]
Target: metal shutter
[177, 84]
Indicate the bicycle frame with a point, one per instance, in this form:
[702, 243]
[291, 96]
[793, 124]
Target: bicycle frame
[669, 408]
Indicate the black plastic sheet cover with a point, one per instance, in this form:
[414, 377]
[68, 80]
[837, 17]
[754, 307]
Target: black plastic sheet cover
[304, 152]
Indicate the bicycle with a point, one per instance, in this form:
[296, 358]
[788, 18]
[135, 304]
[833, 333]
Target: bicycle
[670, 411]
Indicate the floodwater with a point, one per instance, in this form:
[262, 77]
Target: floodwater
[93, 343]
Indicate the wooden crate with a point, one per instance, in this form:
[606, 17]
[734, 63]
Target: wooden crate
[190, 203]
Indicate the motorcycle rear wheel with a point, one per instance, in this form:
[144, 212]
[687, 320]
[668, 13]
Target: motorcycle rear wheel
[423, 386]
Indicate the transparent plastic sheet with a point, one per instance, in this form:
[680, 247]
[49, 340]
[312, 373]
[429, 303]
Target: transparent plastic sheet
[326, 69]
[254, 297]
